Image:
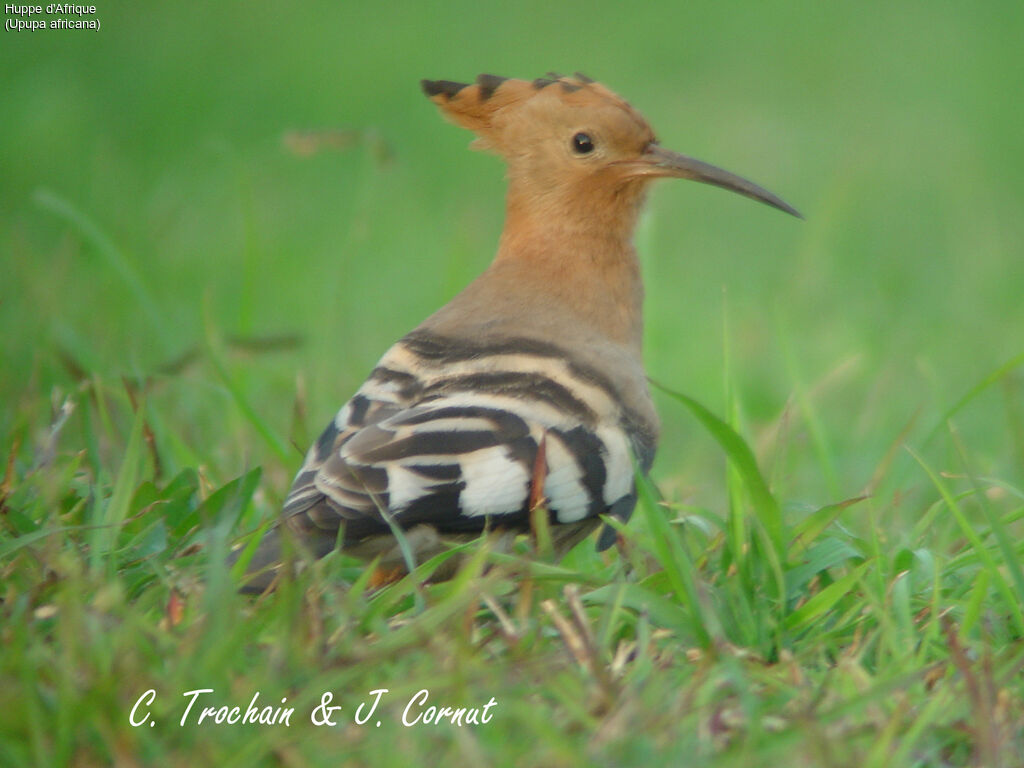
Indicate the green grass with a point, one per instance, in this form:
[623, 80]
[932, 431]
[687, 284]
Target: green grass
[711, 637]
[825, 568]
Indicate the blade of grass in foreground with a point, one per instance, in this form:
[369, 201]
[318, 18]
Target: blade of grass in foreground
[1013, 603]
[805, 403]
[662, 611]
[115, 512]
[741, 555]
[819, 605]
[736, 529]
[808, 530]
[768, 513]
[673, 558]
[1010, 559]
[742, 457]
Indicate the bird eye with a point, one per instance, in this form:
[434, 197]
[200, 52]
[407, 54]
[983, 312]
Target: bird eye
[582, 144]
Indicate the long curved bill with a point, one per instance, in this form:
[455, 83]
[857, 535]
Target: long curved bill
[656, 161]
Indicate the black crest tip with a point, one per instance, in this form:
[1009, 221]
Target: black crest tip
[437, 87]
[542, 82]
[488, 84]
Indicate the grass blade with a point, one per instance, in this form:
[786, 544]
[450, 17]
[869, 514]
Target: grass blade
[673, 558]
[984, 554]
[820, 604]
[768, 516]
[115, 511]
[742, 457]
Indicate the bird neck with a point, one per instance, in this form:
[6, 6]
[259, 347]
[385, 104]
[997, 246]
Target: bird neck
[579, 256]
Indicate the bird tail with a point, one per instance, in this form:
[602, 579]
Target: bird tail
[263, 568]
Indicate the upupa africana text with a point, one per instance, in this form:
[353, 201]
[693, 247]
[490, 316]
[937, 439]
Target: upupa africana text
[528, 387]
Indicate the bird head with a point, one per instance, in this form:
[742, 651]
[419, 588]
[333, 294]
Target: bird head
[573, 146]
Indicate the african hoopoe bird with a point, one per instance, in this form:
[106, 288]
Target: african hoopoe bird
[528, 387]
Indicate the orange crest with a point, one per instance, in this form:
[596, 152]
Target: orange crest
[486, 105]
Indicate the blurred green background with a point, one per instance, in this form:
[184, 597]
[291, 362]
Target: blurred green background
[148, 198]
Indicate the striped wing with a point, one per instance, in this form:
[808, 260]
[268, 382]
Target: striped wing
[447, 433]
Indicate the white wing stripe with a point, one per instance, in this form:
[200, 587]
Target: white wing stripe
[495, 483]
[618, 464]
[563, 489]
[405, 486]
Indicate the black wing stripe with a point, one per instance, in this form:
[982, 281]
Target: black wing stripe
[440, 351]
[430, 444]
[441, 472]
[621, 510]
[325, 442]
[587, 450]
[357, 408]
[407, 385]
[443, 350]
[433, 352]
[437, 509]
[526, 385]
[509, 424]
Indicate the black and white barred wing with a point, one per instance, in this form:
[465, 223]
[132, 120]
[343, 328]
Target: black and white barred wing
[453, 443]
